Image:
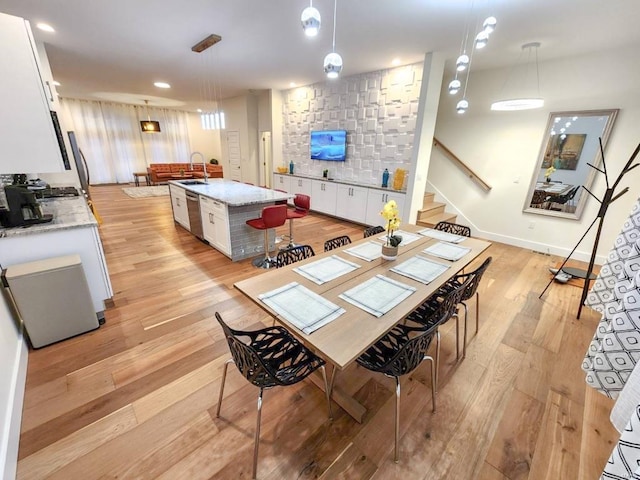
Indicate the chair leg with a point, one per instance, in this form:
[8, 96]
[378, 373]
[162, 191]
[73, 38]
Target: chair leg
[327, 388]
[455, 315]
[257, 438]
[224, 378]
[437, 355]
[477, 311]
[464, 335]
[397, 433]
[433, 381]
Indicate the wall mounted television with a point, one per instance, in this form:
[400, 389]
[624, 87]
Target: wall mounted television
[329, 145]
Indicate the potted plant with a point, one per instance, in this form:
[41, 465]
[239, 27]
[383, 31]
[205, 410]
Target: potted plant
[391, 215]
[325, 173]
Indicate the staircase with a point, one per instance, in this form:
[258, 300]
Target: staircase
[433, 212]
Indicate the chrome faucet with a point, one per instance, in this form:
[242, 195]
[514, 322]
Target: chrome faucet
[204, 164]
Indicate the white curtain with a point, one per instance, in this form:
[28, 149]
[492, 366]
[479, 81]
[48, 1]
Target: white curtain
[113, 143]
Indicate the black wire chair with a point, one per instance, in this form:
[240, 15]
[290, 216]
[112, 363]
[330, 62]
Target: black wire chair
[559, 203]
[293, 255]
[472, 289]
[336, 242]
[368, 232]
[398, 353]
[436, 310]
[453, 228]
[540, 199]
[268, 358]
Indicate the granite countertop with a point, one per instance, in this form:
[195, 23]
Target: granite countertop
[68, 212]
[343, 182]
[234, 194]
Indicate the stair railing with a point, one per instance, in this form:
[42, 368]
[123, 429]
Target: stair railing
[461, 165]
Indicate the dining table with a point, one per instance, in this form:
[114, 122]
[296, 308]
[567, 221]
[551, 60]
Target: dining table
[554, 189]
[339, 303]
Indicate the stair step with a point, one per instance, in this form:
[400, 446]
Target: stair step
[430, 209]
[428, 198]
[432, 220]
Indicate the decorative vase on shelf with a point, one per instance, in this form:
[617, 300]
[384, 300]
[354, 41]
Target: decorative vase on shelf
[389, 252]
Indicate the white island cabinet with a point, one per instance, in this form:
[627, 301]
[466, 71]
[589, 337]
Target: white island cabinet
[225, 207]
[29, 142]
[179, 206]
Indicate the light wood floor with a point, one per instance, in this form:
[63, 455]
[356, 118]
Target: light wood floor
[137, 398]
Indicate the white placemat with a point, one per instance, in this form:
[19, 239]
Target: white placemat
[366, 251]
[407, 237]
[444, 236]
[303, 308]
[420, 269]
[378, 295]
[326, 269]
[447, 251]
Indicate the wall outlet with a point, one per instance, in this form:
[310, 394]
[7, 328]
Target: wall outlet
[532, 225]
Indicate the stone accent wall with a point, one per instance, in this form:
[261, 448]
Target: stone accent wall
[377, 109]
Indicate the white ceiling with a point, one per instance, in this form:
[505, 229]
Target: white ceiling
[123, 46]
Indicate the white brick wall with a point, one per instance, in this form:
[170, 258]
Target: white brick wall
[378, 111]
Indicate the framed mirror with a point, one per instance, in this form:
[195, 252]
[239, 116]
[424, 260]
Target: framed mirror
[570, 143]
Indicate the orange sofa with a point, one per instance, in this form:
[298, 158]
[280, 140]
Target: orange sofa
[163, 172]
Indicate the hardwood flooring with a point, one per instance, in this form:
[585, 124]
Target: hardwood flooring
[137, 398]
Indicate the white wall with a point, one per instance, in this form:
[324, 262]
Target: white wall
[503, 147]
[206, 142]
[377, 109]
[13, 372]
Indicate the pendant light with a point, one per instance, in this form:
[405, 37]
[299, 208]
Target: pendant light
[211, 118]
[333, 61]
[310, 20]
[528, 86]
[148, 125]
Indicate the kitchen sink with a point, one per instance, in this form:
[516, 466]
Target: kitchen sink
[191, 182]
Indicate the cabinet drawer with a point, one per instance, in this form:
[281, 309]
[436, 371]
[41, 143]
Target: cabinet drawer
[213, 205]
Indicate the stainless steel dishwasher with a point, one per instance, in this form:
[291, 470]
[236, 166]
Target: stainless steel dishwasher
[195, 220]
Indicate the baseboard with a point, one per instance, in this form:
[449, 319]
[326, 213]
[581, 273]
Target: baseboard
[10, 439]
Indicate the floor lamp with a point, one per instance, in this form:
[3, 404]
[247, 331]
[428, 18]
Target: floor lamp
[608, 198]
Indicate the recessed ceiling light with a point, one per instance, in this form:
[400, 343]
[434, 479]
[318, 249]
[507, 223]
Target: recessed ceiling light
[162, 85]
[199, 110]
[293, 84]
[45, 27]
[56, 83]
[395, 62]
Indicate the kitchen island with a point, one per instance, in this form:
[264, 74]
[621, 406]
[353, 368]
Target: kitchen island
[73, 230]
[224, 207]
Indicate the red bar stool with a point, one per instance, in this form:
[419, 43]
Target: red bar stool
[272, 216]
[302, 204]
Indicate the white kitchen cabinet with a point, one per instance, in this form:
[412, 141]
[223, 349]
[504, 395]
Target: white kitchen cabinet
[281, 182]
[179, 206]
[376, 200]
[351, 203]
[300, 185]
[29, 142]
[215, 224]
[323, 197]
[83, 241]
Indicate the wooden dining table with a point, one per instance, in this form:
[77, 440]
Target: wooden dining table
[343, 340]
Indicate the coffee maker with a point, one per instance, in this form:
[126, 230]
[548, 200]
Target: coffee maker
[23, 210]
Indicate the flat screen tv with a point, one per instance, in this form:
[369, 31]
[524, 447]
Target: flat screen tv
[329, 145]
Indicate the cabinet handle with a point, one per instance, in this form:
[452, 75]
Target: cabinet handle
[177, 202]
[50, 91]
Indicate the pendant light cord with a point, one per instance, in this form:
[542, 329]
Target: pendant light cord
[335, 9]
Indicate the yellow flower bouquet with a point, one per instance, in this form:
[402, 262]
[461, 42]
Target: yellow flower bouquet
[549, 171]
[391, 215]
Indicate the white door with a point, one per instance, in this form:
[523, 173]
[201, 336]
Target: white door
[233, 147]
[265, 159]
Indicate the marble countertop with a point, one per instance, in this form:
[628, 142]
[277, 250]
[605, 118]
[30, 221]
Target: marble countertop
[68, 212]
[235, 194]
[344, 182]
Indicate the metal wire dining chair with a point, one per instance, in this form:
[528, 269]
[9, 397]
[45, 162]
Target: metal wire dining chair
[398, 353]
[293, 254]
[267, 358]
[368, 232]
[336, 242]
[454, 228]
[472, 289]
